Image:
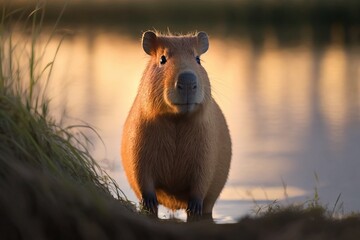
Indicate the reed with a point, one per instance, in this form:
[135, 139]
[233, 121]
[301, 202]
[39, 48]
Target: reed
[31, 140]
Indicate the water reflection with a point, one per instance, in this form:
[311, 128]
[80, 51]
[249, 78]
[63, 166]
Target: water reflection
[292, 111]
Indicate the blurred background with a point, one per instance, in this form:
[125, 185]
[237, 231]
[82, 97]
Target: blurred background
[285, 73]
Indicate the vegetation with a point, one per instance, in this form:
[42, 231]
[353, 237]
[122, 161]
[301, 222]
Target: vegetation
[311, 205]
[46, 171]
[28, 132]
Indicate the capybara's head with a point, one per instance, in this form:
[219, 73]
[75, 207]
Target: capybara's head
[175, 81]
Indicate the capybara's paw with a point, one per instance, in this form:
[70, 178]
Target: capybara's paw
[149, 202]
[194, 207]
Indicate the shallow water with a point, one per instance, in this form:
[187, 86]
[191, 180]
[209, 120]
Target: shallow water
[293, 113]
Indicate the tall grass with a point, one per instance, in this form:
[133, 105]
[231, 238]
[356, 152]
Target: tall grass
[312, 205]
[30, 139]
[50, 185]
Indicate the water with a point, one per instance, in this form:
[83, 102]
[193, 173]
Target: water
[293, 113]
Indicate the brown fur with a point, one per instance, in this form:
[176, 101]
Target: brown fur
[177, 154]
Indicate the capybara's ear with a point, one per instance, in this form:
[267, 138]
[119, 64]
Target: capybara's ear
[149, 42]
[203, 42]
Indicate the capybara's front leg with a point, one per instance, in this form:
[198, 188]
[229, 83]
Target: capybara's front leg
[195, 207]
[199, 188]
[147, 188]
[149, 202]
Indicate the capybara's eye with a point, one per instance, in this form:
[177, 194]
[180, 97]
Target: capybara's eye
[163, 60]
[197, 59]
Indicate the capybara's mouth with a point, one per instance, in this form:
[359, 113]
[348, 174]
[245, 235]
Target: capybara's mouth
[185, 104]
[186, 107]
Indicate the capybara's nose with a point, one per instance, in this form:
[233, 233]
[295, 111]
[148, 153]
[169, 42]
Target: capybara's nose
[186, 83]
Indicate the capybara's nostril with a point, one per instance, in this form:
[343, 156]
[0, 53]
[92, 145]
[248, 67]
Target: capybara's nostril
[179, 85]
[186, 82]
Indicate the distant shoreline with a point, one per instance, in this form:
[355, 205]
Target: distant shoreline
[290, 21]
[197, 12]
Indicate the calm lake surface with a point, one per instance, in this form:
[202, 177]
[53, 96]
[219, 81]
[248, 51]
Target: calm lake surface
[293, 112]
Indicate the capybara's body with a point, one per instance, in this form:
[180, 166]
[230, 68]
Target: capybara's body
[176, 146]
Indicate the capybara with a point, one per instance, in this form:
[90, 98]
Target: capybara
[176, 147]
